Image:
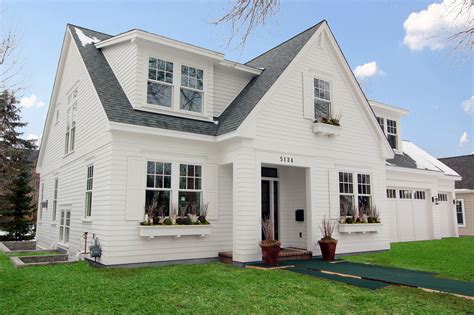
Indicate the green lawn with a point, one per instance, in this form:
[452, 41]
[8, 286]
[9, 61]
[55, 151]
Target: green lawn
[451, 257]
[209, 288]
[34, 254]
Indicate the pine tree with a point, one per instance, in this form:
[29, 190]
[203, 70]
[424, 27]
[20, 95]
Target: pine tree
[15, 171]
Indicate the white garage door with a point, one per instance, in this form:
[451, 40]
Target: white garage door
[445, 214]
[409, 215]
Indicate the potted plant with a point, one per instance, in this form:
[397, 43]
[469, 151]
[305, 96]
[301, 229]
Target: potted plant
[173, 214]
[374, 216]
[270, 246]
[327, 244]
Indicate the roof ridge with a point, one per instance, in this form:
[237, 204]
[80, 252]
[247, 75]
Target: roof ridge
[457, 156]
[89, 29]
[269, 50]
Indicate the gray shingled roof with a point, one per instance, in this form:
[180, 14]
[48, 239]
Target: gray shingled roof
[119, 109]
[274, 62]
[402, 160]
[464, 166]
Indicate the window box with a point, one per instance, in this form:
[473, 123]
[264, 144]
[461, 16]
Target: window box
[175, 230]
[324, 129]
[360, 228]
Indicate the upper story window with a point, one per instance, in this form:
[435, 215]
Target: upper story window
[322, 99]
[160, 82]
[380, 120]
[70, 136]
[392, 133]
[191, 92]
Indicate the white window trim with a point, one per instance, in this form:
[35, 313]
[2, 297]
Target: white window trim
[40, 208]
[54, 213]
[192, 89]
[463, 213]
[62, 224]
[174, 110]
[393, 189]
[88, 218]
[397, 126]
[160, 189]
[355, 185]
[172, 85]
[187, 189]
[331, 96]
[69, 140]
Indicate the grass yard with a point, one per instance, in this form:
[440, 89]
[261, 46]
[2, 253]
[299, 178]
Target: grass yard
[210, 288]
[450, 257]
[34, 254]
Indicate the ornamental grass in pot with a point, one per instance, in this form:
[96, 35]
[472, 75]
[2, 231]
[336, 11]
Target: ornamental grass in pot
[270, 246]
[327, 244]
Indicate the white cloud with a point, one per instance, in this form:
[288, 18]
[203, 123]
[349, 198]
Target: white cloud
[432, 27]
[36, 138]
[464, 139]
[468, 105]
[367, 70]
[32, 101]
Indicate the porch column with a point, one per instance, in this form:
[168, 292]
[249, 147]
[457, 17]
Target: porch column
[246, 208]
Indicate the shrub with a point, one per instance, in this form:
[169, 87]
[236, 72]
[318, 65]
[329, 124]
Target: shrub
[180, 221]
[203, 220]
[349, 220]
[187, 221]
[167, 222]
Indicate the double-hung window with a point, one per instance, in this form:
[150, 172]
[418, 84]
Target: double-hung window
[158, 188]
[70, 136]
[190, 188]
[191, 92]
[322, 99]
[89, 186]
[460, 212]
[381, 122]
[55, 200]
[346, 193]
[160, 82]
[64, 226]
[364, 197]
[392, 133]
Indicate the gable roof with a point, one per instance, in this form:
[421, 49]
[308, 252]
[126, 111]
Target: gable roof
[114, 100]
[274, 62]
[118, 107]
[464, 166]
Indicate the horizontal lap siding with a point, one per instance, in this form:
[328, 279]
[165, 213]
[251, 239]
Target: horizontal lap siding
[122, 243]
[281, 125]
[91, 123]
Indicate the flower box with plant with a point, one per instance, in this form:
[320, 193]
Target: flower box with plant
[327, 243]
[366, 220]
[327, 126]
[191, 222]
[270, 246]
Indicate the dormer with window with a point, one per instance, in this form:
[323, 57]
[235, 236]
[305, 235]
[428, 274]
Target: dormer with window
[389, 118]
[165, 76]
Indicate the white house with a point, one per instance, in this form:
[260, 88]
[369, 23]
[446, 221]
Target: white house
[139, 119]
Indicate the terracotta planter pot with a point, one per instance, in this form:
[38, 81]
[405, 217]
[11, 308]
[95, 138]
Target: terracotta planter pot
[270, 252]
[328, 249]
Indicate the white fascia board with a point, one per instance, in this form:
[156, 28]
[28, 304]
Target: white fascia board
[139, 34]
[414, 171]
[240, 67]
[398, 110]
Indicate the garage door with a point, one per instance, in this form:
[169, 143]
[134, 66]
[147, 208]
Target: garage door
[445, 214]
[409, 215]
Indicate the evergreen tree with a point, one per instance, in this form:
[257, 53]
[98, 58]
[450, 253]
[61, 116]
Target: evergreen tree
[15, 171]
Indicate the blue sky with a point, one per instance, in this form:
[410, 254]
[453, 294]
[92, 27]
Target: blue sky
[432, 84]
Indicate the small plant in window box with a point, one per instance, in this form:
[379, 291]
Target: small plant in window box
[335, 121]
[374, 216]
[329, 126]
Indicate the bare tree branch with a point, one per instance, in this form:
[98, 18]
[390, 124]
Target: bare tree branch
[245, 16]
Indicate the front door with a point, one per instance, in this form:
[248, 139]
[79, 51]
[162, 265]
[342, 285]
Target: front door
[270, 204]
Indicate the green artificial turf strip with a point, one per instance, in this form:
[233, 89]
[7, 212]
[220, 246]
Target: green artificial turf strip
[450, 257]
[206, 288]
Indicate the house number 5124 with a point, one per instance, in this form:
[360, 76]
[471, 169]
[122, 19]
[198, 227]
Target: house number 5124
[286, 159]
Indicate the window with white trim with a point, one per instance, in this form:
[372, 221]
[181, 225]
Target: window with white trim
[460, 216]
[419, 195]
[70, 136]
[55, 200]
[190, 188]
[380, 120]
[364, 198]
[405, 194]
[191, 91]
[40, 214]
[158, 188]
[88, 196]
[391, 193]
[392, 136]
[346, 193]
[64, 226]
[442, 197]
[322, 99]
[160, 82]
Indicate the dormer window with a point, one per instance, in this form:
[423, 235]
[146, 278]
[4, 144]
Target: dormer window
[392, 133]
[380, 120]
[322, 99]
[191, 92]
[160, 82]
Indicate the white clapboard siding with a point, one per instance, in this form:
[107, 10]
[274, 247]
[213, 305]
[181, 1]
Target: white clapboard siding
[135, 204]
